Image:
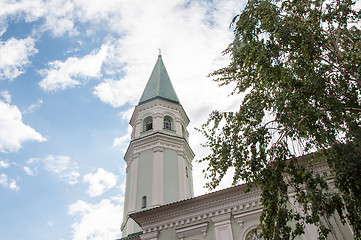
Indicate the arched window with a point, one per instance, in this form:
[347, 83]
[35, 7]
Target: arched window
[168, 123]
[183, 132]
[144, 201]
[254, 234]
[148, 123]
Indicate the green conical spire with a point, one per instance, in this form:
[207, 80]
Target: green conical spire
[159, 85]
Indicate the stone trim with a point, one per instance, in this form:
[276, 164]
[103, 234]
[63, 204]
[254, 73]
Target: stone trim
[159, 103]
[158, 139]
[222, 226]
[192, 230]
[244, 217]
[198, 209]
[247, 230]
[149, 236]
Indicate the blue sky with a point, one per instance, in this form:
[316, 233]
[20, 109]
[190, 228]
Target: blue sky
[71, 73]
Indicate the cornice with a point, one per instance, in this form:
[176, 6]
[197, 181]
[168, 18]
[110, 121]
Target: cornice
[158, 103]
[194, 210]
[156, 140]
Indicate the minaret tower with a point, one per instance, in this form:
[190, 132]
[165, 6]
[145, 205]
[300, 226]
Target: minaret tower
[159, 168]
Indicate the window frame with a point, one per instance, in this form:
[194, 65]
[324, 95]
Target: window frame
[146, 122]
[168, 123]
[144, 202]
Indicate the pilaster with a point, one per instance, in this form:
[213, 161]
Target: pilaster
[133, 183]
[158, 121]
[191, 178]
[222, 225]
[138, 127]
[158, 177]
[178, 126]
[181, 175]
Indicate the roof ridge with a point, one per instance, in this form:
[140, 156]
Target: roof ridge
[158, 90]
[159, 85]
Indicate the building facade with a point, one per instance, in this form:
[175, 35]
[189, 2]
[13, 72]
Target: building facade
[159, 202]
[159, 159]
[229, 214]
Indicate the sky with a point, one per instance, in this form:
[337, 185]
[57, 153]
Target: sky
[71, 73]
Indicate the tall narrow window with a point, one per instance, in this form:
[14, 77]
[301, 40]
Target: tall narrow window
[148, 123]
[186, 171]
[167, 123]
[144, 201]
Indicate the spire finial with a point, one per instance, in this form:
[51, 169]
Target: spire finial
[160, 52]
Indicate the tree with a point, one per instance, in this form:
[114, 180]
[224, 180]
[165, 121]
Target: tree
[297, 63]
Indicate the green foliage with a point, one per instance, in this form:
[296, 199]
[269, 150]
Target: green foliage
[298, 64]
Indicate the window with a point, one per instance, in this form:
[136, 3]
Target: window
[148, 123]
[144, 201]
[167, 123]
[186, 171]
[254, 234]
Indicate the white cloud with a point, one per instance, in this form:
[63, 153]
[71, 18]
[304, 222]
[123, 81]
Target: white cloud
[33, 107]
[13, 132]
[99, 182]
[30, 9]
[123, 141]
[50, 223]
[4, 164]
[13, 186]
[8, 183]
[126, 115]
[32, 167]
[32, 160]
[3, 179]
[117, 92]
[14, 56]
[62, 167]
[58, 165]
[73, 71]
[58, 14]
[192, 39]
[60, 18]
[3, 26]
[96, 11]
[28, 171]
[6, 96]
[96, 221]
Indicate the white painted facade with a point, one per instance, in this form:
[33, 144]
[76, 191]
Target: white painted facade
[159, 159]
[159, 202]
[229, 214]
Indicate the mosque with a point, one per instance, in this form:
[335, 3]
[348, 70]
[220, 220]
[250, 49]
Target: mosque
[159, 201]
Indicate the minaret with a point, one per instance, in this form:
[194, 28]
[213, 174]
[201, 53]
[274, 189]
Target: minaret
[159, 159]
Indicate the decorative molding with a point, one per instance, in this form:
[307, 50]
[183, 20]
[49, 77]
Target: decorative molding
[158, 139]
[158, 149]
[222, 226]
[159, 103]
[247, 230]
[158, 115]
[244, 217]
[192, 231]
[149, 236]
[220, 219]
[227, 201]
